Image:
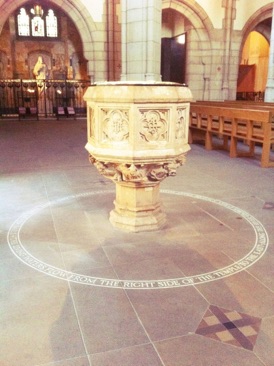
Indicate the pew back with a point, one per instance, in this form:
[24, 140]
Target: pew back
[233, 123]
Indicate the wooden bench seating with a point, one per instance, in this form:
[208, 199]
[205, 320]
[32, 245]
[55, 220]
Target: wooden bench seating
[233, 124]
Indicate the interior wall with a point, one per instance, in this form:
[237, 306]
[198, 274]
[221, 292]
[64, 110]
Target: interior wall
[206, 56]
[205, 51]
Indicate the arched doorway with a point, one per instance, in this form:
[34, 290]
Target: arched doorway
[195, 55]
[173, 47]
[254, 59]
[253, 68]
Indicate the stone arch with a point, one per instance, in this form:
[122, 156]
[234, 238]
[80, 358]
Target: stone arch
[193, 11]
[254, 21]
[264, 31]
[78, 13]
[254, 24]
[199, 54]
[257, 22]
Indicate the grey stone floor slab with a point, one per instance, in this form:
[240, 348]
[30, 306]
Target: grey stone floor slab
[74, 291]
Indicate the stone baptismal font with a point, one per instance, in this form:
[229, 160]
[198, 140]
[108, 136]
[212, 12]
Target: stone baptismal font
[137, 136]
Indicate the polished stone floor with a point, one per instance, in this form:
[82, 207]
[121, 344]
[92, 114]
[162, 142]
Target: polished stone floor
[74, 291]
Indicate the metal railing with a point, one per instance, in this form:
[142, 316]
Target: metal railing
[44, 95]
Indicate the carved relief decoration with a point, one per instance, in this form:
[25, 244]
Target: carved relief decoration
[154, 125]
[138, 172]
[115, 125]
[92, 123]
[180, 132]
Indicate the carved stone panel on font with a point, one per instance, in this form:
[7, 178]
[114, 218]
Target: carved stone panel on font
[154, 125]
[180, 131]
[115, 125]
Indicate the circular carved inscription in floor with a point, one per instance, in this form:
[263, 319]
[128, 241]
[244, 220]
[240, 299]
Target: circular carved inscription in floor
[67, 209]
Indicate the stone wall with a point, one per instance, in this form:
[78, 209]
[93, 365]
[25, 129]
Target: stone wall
[91, 47]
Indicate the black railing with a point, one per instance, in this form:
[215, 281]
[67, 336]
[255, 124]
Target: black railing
[44, 95]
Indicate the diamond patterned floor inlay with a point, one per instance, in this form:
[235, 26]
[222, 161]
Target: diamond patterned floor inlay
[231, 327]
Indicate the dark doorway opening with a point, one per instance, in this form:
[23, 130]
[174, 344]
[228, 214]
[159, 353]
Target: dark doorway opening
[173, 59]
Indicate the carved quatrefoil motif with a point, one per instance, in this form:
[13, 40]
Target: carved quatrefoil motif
[153, 126]
[116, 125]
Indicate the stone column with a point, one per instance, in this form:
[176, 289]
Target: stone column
[228, 25]
[141, 40]
[269, 90]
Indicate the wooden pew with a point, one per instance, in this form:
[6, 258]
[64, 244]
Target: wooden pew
[245, 104]
[240, 104]
[233, 124]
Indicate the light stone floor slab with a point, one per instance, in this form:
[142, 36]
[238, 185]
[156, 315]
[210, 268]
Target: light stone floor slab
[74, 291]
